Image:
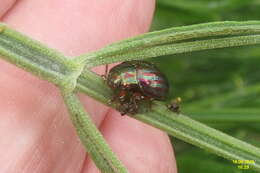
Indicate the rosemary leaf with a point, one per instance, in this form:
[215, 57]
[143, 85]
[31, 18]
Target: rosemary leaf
[98, 149]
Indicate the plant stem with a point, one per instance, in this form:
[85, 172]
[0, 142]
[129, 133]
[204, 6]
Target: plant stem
[98, 149]
[177, 40]
[58, 69]
[200, 135]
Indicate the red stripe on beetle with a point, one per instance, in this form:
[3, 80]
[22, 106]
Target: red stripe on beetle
[148, 81]
[128, 75]
[152, 74]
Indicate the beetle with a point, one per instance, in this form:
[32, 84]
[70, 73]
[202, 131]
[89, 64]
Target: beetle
[134, 82]
[174, 106]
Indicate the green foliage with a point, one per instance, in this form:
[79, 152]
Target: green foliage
[218, 87]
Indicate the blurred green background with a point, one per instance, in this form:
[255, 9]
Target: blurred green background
[212, 75]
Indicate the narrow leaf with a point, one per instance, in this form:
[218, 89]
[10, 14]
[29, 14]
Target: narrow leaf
[200, 135]
[33, 56]
[178, 40]
[96, 146]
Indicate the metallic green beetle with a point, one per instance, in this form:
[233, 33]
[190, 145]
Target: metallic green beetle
[134, 81]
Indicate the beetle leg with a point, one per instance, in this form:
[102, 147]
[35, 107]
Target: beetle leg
[106, 70]
[135, 99]
[123, 110]
[124, 106]
[127, 107]
[132, 107]
[135, 104]
[122, 96]
[112, 100]
[116, 97]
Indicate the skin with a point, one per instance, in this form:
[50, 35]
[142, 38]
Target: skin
[36, 133]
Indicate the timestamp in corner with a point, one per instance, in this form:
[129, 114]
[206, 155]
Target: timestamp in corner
[243, 164]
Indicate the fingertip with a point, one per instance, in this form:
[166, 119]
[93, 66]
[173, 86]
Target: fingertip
[76, 27]
[140, 147]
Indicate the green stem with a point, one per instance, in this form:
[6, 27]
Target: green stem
[33, 56]
[58, 69]
[200, 135]
[168, 49]
[98, 149]
[177, 40]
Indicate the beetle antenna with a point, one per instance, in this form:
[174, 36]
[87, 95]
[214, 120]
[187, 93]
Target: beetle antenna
[104, 76]
[106, 70]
